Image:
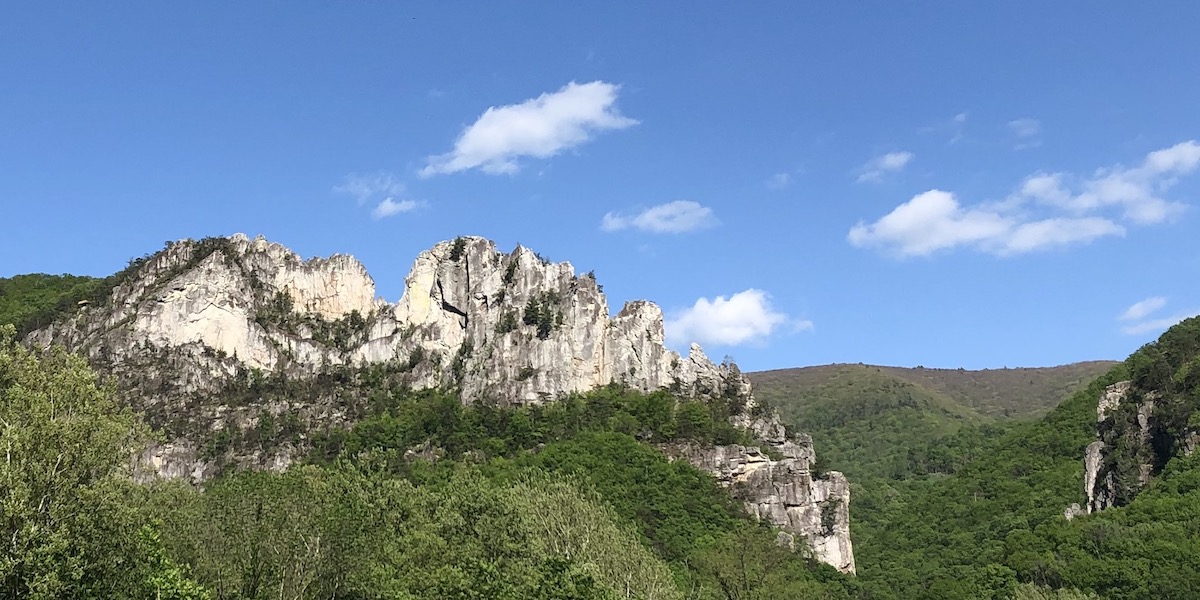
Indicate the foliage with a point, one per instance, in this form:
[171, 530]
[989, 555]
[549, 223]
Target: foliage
[998, 519]
[29, 301]
[871, 425]
[343, 333]
[66, 526]
[675, 508]
[507, 322]
[1022, 392]
[542, 311]
[337, 532]
[406, 419]
[1165, 393]
[457, 248]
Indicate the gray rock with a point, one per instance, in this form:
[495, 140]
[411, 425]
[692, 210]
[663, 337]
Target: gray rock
[786, 492]
[509, 328]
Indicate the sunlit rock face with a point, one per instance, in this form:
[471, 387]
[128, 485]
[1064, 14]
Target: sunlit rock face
[183, 327]
[785, 492]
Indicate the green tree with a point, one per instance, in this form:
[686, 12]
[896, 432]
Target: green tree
[65, 521]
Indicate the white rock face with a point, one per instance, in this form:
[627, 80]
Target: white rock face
[503, 328]
[1111, 399]
[1099, 497]
[784, 492]
[1099, 486]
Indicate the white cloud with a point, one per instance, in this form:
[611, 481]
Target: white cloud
[744, 317]
[960, 118]
[930, 222]
[1048, 210]
[539, 127]
[877, 167]
[1143, 309]
[381, 189]
[680, 216]
[389, 207]
[1157, 324]
[1136, 191]
[1139, 311]
[1025, 128]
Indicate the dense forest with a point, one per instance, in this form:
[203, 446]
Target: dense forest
[951, 503]
[424, 497]
[515, 508]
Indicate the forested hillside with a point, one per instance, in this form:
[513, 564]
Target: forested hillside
[30, 301]
[423, 496]
[870, 423]
[497, 503]
[998, 517]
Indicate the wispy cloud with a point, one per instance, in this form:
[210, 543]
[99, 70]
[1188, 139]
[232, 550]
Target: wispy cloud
[381, 189]
[953, 126]
[1027, 131]
[1025, 127]
[1139, 312]
[680, 216]
[1047, 210]
[1157, 324]
[389, 207]
[876, 168]
[365, 188]
[539, 127]
[1142, 309]
[744, 317]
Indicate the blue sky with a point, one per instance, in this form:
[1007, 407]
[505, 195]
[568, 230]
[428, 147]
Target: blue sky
[942, 184]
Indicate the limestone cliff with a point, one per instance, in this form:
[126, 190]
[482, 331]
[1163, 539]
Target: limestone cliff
[786, 492]
[194, 333]
[1124, 457]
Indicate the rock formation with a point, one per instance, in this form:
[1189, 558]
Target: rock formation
[184, 327]
[786, 492]
[1103, 483]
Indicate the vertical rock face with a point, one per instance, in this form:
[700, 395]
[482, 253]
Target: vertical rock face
[1101, 480]
[786, 492]
[514, 328]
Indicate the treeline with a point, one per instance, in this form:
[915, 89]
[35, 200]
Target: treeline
[29, 302]
[399, 420]
[588, 512]
[997, 521]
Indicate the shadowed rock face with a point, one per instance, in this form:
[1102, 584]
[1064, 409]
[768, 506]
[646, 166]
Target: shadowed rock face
[508, 328]
[1131, 430]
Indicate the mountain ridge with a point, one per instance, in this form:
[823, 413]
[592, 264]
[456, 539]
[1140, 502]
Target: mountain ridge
[227, 344]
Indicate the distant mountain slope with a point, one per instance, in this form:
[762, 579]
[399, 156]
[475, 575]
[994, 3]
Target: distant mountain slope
[894, 423]
[868, 421]
[995, 392]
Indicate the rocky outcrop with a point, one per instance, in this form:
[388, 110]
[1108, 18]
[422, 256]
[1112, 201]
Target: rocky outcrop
[785, 492]
[194, 333]
[508, 327]
[1103, 483]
